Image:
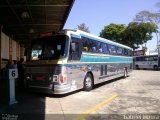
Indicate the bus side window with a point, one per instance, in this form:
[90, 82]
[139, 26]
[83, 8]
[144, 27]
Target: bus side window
[74, 51]
[104, 48]
[119, 51]
[93, 46]
[85, 44]
[155, 58]
[99, 47]
[129, 52]
[112, 49]
[125, 52]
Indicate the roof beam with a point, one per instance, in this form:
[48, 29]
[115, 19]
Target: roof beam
[32, 24]
[34, 5]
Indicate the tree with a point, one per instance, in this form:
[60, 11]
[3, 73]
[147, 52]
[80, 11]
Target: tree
[146, 16]
[83, 27]
[113, 32]
[133, 35]
[138, 33]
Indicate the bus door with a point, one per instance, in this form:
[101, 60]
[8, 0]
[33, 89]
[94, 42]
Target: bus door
[74, 71]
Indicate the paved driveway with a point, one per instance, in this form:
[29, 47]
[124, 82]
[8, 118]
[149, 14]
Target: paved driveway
[138, 94]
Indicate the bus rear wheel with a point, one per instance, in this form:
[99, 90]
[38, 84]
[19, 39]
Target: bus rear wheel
[137, 67]
[88, 82]
[155, 67]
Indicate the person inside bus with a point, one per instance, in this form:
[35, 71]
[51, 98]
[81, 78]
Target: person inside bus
[85, 46]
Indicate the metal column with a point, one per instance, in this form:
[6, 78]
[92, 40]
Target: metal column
[0, 46]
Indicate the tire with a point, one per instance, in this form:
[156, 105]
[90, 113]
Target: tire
[125, 72]
[155, 67]
[88, 82]
[137, 67]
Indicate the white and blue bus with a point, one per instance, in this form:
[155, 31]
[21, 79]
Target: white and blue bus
[147, 62]
[74, 59]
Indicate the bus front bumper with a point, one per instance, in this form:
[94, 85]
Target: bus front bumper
[51, 89]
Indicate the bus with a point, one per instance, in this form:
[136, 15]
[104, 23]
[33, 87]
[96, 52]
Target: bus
[72, 60]
[147, 62]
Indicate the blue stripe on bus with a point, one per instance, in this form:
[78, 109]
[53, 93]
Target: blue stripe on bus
[107, 59]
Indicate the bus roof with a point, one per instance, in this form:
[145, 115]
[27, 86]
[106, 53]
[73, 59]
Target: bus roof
[80, 33]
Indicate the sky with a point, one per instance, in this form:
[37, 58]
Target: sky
[99, 13]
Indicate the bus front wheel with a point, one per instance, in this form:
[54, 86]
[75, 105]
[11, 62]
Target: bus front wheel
[155, 67]
[88, 82]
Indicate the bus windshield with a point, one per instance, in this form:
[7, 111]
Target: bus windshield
[49, 48]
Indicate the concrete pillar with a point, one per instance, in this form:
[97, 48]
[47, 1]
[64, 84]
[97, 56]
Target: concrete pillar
[10, 47]
[17, 51]
[22, 51]
[0, 46]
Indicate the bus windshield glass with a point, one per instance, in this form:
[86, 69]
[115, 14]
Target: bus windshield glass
[49, 48]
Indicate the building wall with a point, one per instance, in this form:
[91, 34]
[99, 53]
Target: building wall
[10, 50]
[5, 47]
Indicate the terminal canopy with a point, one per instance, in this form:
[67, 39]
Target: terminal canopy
[26, 19]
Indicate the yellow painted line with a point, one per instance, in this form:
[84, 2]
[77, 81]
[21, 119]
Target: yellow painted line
[95, 108]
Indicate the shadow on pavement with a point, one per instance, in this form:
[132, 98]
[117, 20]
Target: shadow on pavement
[30, 106]
[107, 82]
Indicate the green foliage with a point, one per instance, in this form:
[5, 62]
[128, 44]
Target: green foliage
[133, 35]
[113, 32]
[83, 27]
[138, 33]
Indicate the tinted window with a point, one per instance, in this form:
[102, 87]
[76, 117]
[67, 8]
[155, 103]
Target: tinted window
[99, 47]
[130, 52]
[74, 49]
[112, 49]
[85, 44]
[125, 52]
[119, 51]
[139, 58]
[93, 46]
[104, 48]
[151, 58]
[155, 58]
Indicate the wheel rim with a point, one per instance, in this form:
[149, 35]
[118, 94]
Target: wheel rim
[88, 82]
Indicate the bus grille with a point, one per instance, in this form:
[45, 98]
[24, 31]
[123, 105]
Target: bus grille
[42, 69]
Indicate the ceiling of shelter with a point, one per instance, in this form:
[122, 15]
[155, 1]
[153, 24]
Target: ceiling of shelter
[25, 19]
